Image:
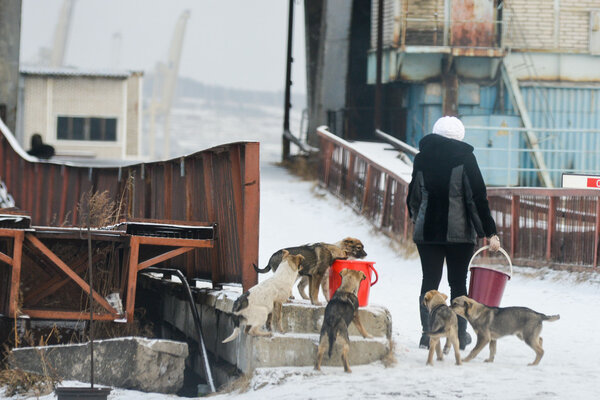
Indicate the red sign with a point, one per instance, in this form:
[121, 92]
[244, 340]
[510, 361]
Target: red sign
[593, 183]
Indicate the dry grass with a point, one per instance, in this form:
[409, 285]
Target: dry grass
[239, 385]
[306, 167]
[19, 382]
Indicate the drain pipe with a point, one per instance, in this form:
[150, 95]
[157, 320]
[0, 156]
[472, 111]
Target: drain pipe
[181, 277]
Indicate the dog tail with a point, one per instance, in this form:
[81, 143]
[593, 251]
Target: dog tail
[262, 270]
[437, 332]
[550, 317]
[235, 334]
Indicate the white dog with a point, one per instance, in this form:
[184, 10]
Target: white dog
[254, 306]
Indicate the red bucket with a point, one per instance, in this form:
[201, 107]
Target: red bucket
[487, 284]
[335, 280]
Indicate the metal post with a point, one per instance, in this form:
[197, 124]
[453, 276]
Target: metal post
[288, 83]
[378, 88]
[91, 281]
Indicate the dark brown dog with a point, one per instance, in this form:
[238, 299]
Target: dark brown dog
[340, 311]
[491, 323]
[318, 257]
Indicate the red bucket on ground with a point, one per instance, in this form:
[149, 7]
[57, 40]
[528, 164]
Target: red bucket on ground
[335, 280]
[487, 284]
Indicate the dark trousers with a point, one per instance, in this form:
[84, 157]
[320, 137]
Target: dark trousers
[457, 259]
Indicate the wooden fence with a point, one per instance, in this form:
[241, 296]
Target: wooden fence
[538, 227]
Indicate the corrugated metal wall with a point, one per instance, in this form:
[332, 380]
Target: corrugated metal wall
[570, 108]
[218, 185]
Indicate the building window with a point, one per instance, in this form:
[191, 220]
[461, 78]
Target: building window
[87, 128]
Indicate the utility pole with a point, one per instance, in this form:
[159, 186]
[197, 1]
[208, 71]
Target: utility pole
[378, 88]
[285, 154]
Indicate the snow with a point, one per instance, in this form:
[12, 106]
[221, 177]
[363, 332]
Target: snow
[294, 212]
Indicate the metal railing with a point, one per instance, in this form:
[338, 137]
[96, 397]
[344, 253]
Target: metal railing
[539, 227]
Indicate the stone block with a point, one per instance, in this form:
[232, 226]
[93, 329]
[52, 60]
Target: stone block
[131, 363]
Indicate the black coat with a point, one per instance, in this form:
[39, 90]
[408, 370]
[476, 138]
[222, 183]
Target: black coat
[447, 199]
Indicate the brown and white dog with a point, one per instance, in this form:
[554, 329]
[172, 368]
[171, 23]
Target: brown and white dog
[254, 306]
[318, 257]
[444, 323]
[491, 323]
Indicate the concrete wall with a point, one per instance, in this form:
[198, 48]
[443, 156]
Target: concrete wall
[10, 41]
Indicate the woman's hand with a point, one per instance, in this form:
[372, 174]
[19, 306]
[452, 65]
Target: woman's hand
[494, 243]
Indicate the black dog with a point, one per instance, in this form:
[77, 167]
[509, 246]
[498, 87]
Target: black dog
[340, 311]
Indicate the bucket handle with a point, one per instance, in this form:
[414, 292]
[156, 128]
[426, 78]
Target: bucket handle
[501, 250]
[371, 267]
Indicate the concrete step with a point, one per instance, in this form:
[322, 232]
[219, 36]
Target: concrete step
[297, 349]
[297, 346]
[303, 317]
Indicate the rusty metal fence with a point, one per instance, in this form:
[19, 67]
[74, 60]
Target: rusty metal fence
[219, 185]
[559, 228]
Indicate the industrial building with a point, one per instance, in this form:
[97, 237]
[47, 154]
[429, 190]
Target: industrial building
[523, 76]
[90, 114]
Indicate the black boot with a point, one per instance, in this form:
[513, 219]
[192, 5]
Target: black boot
[464, 339]
[424, 342]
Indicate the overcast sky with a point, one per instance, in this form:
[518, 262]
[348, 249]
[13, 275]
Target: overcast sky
[234, 43]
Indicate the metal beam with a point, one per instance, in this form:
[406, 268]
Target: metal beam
[538, 159]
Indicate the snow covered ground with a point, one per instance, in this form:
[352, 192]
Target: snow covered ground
[296, 212]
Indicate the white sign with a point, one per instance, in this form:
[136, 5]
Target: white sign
[577, 181]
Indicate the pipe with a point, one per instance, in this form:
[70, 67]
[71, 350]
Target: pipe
[181, 277]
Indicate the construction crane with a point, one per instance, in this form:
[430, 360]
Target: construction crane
[163, 86]
[61, 34]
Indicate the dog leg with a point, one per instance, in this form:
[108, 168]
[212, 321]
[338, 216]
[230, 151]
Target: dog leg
[492, 351]
[313, 288]
[321, 352]
[535, 344]
[277, 310]
[256, 331]
[345, 349]
[447, 346]
[325, 285]
[438, 350]
[432, 344]
[481, 342]
[456, 344]
[304, 280]
[360, 326]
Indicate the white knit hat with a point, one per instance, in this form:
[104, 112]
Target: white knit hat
[449, 127]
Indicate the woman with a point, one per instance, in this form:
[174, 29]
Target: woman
[447, 202]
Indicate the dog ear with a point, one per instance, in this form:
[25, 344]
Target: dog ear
[445, 296]
[343, 272]
[363, 276]
[428, 296]
[285, 254]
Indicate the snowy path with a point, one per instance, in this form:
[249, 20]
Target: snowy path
[296, 212]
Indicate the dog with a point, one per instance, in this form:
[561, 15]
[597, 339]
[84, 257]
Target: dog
[254, 306]
[340, 311]
[444, 323]
[318, 257]
[491, 323]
